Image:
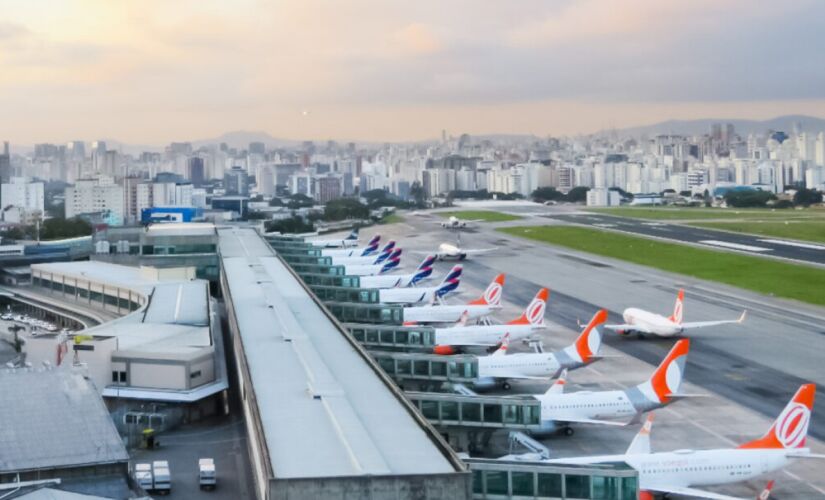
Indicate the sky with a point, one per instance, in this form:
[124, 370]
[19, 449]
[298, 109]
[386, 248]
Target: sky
[152, 71]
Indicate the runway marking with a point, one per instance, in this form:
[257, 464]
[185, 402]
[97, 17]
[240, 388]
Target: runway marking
[794, 476]
[794, 244]
[735, 246]
[653, 224]
[605, 225]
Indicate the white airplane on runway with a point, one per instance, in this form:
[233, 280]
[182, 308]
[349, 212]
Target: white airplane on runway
[372, 259]
[448, 339]
[680, 472]
[501, 367]
[447, 313]
[645, 322]
[455, 223]
[447, 251]
[350, 241]
[370, 249]
[372, 269]
[609, 407]
[422, 273]
[418, 295]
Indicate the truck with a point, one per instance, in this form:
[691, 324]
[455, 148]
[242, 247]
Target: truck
[143, 476]
[207, 477]
[162, 483]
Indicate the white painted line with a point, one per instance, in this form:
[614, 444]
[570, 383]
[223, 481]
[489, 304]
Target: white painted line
[735, 246]
[794, 244]
[652, 224]
[605, 225]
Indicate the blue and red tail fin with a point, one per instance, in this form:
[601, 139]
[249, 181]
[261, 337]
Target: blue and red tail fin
[372, 246]
[424, 270]
[393, 261]
[450, 282]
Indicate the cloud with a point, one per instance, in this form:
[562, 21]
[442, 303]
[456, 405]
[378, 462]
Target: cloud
[418, 39]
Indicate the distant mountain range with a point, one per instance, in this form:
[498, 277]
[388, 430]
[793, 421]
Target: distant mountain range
[743, 127]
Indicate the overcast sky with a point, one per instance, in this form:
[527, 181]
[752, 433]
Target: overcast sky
[154, 71]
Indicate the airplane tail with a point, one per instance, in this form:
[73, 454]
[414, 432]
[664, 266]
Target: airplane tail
[641, 443]
[450, 282]
[790, 429]
[392, 262]
[667, 379]
[492, 295]
[372, 246]
[424, 270]
[676, 317]
[590, 340]
[505, 343]
[353, 235]
[558, 385]
[385, 252]
[534, 314]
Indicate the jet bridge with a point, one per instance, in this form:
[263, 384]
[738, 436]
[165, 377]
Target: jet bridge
[346, 294]
[427, 372]
[511, 479]
[468, 422]
[294, 258]
[393, 337]
[348, 312]
[330, 280]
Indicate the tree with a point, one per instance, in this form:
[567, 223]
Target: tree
[578, 194]
[807, 197]
[686, 194]
[543, 194]
[57, 228]
[345, 208]
[417, 194]
[292, 224]
[299, 200]
[276, 202]
[749, 198]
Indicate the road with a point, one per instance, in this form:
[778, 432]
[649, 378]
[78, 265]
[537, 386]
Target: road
[764, 246]
[751, 370]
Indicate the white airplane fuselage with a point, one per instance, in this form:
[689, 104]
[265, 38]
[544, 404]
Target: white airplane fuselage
[602, 405]
[528, 365]
[447, 313]
[354, 261]
[651, 322]
[386, 280]
[481, 334]
[363, 270]
[406, 295]
[695, 468]
[342, 243]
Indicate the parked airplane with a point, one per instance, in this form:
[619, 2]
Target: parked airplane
[447, 340]
[380, 257]
[447, 251]
[372, 269]
[350, 241]
[455, 223]
[422, 273]
[645, 322]
[418, 295]
[370, 249]
[608, 407]
[481, 307]
[680, 472]
[500, 367]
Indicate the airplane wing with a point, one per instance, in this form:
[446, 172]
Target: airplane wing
[792, 454]
[635, 328]
[702, 324]
[691, 492]
[687, 396]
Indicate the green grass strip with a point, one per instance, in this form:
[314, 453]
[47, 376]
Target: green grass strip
[794, 229]
[792, 281]
[484, 215]
[697, 213]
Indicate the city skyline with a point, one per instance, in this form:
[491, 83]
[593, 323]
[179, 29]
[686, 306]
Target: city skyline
[146, 73]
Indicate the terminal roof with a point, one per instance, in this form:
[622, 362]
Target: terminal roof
[323, 408]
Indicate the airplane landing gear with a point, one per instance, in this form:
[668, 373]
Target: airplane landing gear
[568, 431]
[506, 386]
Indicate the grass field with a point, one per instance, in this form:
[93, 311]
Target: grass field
[485, 215]
[807, 230]
[392, 219]
[803, 283]
[697, 213]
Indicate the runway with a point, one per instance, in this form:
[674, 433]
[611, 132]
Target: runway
[720, 240]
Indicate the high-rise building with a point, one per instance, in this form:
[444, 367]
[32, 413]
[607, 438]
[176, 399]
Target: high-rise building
[236, 181]
[76, 150]
[195, 171]
[5, 164]
[328, 188]
[22, 194]
[95, 196]
[257, 148]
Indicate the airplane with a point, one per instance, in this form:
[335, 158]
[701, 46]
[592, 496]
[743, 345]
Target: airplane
[481, 307]
[340, 260]
[681, 472]
[455, 223]
[559, 409]
[422, 273]
[447, 251]
[501, 366]
[447, 340]
[350, 241]
[370, 249]
[372, 269]
[645, 322]
[417, 295]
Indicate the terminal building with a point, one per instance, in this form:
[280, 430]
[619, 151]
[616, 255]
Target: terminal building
[324, 421]
[164, 348]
